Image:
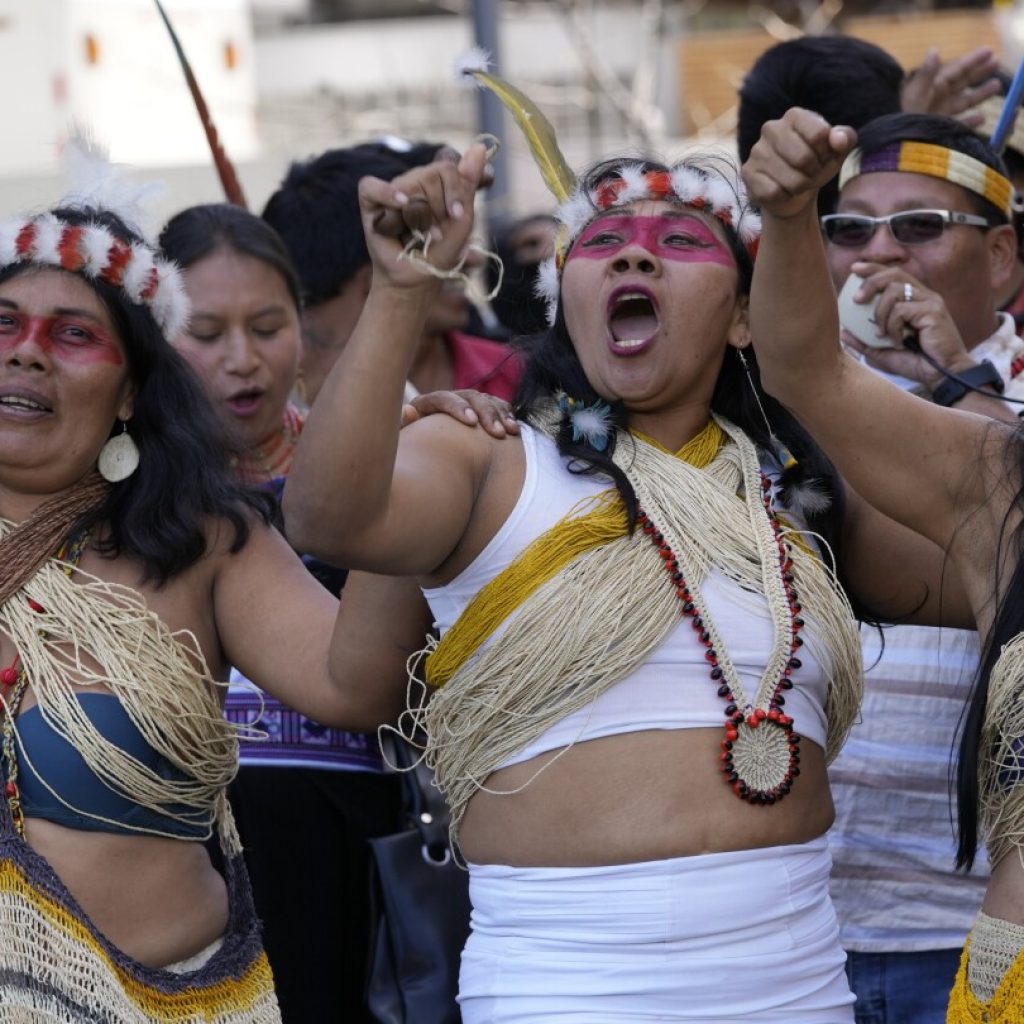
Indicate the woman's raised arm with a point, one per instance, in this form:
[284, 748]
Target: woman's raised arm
[353, 497]
[910, 459]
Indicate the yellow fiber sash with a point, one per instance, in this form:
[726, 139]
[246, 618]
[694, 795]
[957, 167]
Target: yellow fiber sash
[545, 558]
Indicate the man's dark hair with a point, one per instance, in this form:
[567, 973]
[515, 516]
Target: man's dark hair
[316, 211]
[848, 81]
[939, 131]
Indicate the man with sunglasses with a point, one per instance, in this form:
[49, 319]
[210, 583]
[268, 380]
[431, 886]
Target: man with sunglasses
[924, 217]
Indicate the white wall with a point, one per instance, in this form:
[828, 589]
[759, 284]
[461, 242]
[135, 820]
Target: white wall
[133, 95]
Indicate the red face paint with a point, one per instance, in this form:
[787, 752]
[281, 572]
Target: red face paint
[65, 336]
[683, 239]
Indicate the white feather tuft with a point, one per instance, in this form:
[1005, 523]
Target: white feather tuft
[720, 195]
[97, 183]
[575, 213]
[808, 498]
[546, 286]
[475, 59]
[749, 226]
[9, 231]
[635, 184]
[170, 304]
[136, 273]
[592, 423]
[48, 235]
[95, 248]
[687, 183]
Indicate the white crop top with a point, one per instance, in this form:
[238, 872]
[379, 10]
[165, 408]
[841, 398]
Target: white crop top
[672, 688]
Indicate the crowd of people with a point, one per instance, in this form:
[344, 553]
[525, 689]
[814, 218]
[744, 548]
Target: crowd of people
[718, 596]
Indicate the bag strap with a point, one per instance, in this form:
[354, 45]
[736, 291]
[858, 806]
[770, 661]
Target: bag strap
[423, 804]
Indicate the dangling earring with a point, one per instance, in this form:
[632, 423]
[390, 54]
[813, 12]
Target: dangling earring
[782, 453]
[299, 389]
[119, 457]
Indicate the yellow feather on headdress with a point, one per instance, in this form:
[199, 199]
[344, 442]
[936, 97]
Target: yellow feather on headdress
[536, 128]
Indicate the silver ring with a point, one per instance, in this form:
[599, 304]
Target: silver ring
[908, 292]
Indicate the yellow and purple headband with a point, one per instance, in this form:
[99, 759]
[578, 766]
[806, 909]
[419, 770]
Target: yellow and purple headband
[935, 162]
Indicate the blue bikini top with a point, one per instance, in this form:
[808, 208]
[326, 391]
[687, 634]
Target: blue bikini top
[67, 773]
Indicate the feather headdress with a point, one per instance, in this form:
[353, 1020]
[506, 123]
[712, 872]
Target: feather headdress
[91, 248]
[686, 183]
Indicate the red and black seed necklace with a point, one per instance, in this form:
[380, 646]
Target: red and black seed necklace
[760, 752]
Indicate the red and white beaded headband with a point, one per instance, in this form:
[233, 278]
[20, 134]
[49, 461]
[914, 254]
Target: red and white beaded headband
[95, 252]
[685, 184]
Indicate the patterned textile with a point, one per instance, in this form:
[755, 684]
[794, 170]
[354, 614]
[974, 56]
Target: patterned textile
[56, 967]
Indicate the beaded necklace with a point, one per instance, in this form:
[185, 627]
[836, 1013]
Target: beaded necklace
[272, 458]
[14, 683]
[760, 752]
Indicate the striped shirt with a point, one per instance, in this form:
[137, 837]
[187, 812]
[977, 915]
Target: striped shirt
[893, 880]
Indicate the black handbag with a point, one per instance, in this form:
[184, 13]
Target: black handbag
[419, 907]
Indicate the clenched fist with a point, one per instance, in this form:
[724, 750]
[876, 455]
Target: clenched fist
[794, 157]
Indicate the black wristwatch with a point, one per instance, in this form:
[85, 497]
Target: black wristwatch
[955, 386]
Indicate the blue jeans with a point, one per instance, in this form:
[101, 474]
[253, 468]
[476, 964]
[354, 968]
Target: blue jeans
[902, 988]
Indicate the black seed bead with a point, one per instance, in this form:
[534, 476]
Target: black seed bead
[780, 701]
[731, 709]
[723, 690]
[716, 674]
[795, 663]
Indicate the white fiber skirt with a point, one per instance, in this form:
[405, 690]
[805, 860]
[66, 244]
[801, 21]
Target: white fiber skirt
[742, 936]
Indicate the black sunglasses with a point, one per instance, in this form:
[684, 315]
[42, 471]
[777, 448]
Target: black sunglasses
[910, 227]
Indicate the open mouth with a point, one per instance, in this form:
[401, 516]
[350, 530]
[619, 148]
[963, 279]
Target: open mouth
[632, 318]
[245, 403]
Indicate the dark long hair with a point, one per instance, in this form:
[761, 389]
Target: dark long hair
[161, 513]
[198, 231]
[1009, 623]
[552, 365]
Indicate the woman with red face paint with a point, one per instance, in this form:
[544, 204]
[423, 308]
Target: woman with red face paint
[645, 660]
[136, 569]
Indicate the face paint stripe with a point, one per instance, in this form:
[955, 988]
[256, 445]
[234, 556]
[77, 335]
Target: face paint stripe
[650, 233]
[98, 347]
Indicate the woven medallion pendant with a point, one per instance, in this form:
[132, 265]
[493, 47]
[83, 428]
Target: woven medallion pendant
[762, 760]
[760, 752]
